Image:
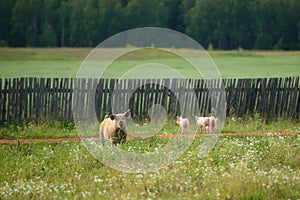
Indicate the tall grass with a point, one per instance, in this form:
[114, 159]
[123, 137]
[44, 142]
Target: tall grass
[53, 129]
[237, 168]
[256, 124]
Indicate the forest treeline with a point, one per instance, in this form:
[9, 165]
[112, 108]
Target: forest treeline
[218, 24]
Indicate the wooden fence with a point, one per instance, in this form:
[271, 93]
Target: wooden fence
[39, 99]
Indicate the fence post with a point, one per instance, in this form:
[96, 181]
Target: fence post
[24, 99]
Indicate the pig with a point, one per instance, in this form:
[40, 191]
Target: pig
[207, 124]
[203, 123]
[212, 124]
[114, 128]
[183, 123]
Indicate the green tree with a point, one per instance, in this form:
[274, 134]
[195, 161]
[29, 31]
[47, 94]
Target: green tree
[63, 28]
[265, 21]
[175, 15]
[6, 7]
[286, 29]
[276, 24]
[26, 22]
[225, 24]
[243, 24]
[198, 22]
[112, 18]
[141, 13]
[91, 21]
[48, 37]
[77, 32]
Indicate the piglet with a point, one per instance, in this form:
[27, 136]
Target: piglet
[183, 123]
[203, 123]
[212, 124]
[207, 124]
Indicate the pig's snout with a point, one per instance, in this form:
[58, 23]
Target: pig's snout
[122, 125]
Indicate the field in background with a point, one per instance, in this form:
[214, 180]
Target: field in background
[64, 62]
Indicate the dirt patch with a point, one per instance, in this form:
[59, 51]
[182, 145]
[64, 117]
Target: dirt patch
[130, 137]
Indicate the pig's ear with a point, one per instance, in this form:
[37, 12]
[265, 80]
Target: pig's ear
[127, 114]
[112, 117]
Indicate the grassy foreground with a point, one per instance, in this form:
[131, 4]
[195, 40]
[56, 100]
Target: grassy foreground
[237, 168]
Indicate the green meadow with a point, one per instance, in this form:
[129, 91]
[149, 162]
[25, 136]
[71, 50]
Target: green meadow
[65, 62]
[238, 167]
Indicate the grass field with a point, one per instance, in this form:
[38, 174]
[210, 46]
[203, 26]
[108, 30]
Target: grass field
[237, 168]
[64, 62]
[240, 166]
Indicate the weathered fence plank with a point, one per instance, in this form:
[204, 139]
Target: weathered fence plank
[37, 99]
